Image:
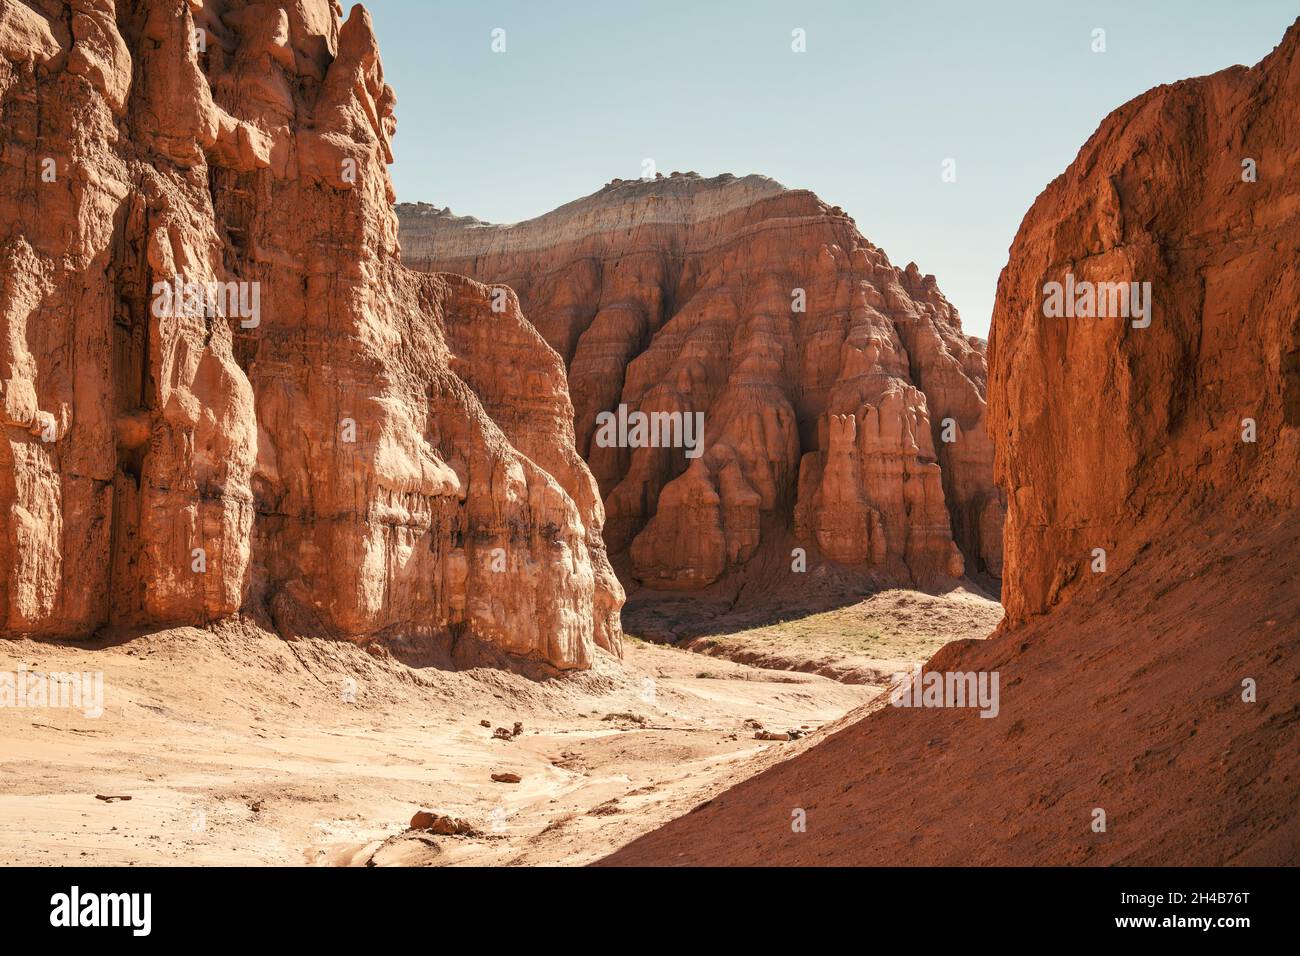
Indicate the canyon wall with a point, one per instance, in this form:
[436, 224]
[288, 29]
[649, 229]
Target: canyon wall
[304, 432]
[1147, 705]
[1110, 435]
[842, 406]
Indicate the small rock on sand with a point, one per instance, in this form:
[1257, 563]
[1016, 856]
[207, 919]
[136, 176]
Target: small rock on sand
[629, 718]
[441, 824]
[506, 777]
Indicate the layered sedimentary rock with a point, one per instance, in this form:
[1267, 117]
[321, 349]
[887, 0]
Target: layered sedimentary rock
[1147, 705]
[843, 407]
[223, 394]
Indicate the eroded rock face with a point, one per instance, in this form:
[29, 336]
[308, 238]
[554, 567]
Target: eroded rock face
[1138, 691]
[324, 439]
[824, 375]
[1111, 435]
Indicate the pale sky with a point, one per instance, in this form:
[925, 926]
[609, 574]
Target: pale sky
[884, 93]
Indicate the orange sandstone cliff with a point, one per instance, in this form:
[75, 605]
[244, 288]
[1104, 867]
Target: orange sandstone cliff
[843, 407]
[1148, 705]
[322, 440]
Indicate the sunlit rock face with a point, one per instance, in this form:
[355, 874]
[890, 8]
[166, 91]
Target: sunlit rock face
[316, 436]
[843, 407]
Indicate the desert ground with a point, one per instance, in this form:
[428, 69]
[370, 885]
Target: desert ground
[237, 747]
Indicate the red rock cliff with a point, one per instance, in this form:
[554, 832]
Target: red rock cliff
[1161, 691]
[1112, 435]
[824, 375]
[352, 449]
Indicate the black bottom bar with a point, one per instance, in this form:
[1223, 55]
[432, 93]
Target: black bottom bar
[880, 905]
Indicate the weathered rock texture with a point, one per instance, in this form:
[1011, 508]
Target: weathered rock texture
[381, 456]
[1149, 422]
[1162, 691]
[823, 426]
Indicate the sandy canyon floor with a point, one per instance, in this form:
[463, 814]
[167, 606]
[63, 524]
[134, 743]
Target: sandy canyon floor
[236, 747]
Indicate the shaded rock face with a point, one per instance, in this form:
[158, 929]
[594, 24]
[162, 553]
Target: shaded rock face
[1161, 691]
[1111, 435]
[330, 441]
[827, 379]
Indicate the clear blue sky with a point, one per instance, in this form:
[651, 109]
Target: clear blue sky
[885, 92]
